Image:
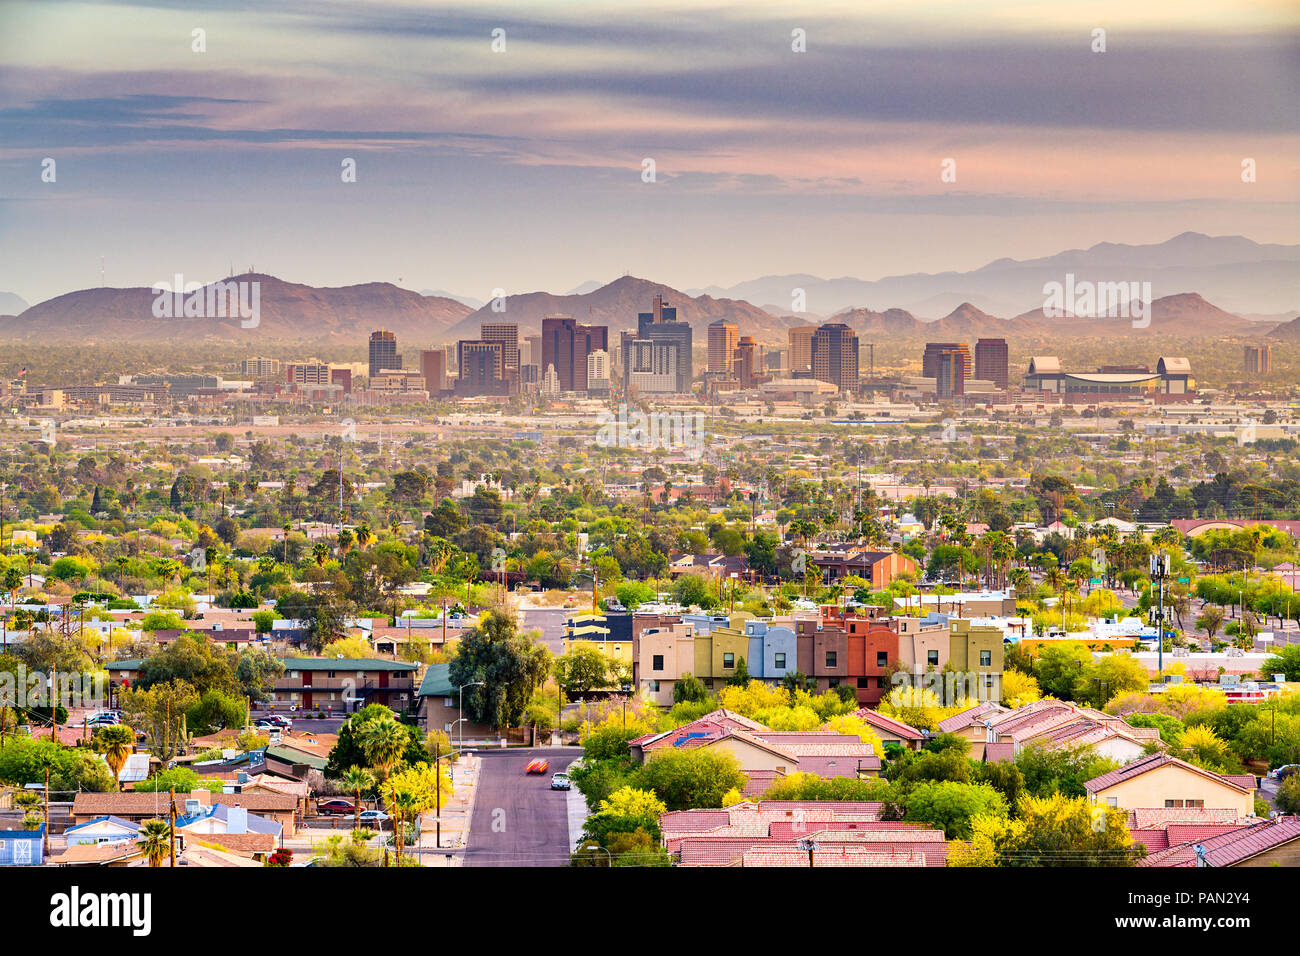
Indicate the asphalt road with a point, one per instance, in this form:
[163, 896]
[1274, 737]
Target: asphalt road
[550, 621]
[518, 819]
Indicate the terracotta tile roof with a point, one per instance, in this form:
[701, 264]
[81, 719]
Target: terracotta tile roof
[1000, 753]
[155, 804]
[97, 854]
[833, 855]
[888, 724]
[244, 844]
[921, 844]
[1142, 818]
[1153, 762]
[972, 715]
[1233, 847]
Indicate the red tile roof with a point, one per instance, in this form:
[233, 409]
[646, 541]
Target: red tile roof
[888, 724]
[1232, 847]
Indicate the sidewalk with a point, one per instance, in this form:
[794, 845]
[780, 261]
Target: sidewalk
[457, 812]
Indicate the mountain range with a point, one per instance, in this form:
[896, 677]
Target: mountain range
[292, 311]
[1238, 274]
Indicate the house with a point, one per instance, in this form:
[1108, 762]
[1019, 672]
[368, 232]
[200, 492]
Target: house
[878, 568]
[232, 828]
[1274, 842]
[799, 833]
[137, 807]
[116, 853]
[106, 829]
[969, 724]
[22, 847]
[1053, 723]
[1160, 780]
[344, 685]
[891, 731]
[439, 706]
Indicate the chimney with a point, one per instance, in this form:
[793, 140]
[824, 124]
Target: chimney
[203, 797]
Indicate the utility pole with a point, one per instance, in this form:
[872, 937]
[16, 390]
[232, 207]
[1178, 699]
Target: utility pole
[171, 824]
[1160, 566]
[46, 852]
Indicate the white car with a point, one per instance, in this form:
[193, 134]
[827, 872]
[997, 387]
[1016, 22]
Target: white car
[379, 816]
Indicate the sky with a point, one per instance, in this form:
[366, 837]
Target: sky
[523, 167]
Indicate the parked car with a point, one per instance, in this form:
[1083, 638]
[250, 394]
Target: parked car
[1284, 771]
[536, 766]
[376, 816]
[103, 720]
[335, 807]
[560, 781]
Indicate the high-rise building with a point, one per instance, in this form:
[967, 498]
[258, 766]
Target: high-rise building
[835, 356]
[991, 361]
[746, 362]
[660, 325]
[929, 360]
[383, 352]
[310, 372]
[1259, 360]
[481, 368]
[433, 366]
[949, 374]
[598, 372]
[652, 366]
[507, 333]
[722, 344]
[566, 343]
[801, 337]
[260, 369]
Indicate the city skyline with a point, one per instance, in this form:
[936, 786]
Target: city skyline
[467, 162]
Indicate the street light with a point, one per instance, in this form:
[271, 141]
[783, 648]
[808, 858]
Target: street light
[476, 683]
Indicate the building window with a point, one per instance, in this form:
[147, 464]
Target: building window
[657, 662]
[830, 658]
[728, 660]
[1112, 802]
[932, 658]
[986, 658]
[1184, 803]
[779, 660]
[864, 681]
[882, 658]
[654, 686]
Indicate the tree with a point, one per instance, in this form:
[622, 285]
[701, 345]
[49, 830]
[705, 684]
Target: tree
[511, 666]
[159, 711]
[1288, 795]
[383, 741]
[155, 840]
[582, 670]
[689, 688]
[1286, 661]
[348, 751]
[1019, 688]
[357, 779]
[950, 806]
[1064, 770]
[1051, 831]
[194, 660]
[687, 779]
[116, 743]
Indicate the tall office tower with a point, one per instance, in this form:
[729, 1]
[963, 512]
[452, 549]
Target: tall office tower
[746, 363]
[531, 354]
[507, 333]
[383, 352]
[260, 369]
[598, 372]
[566, 343]
[1259, 360]
[991, 361]
[660, 325]
[310, 372]
[433, 366]
[652, 367]
[835, 356]
[949, 374]
[801, 337]
[929, 359]
[722, 344]
[482, 368]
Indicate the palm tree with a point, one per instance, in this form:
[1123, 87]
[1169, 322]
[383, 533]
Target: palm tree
[364, 536]
[155, 839]
[286, 529]
[320, 551]
[346, 540]
[383, 740]
[357, 779]
[116, 743]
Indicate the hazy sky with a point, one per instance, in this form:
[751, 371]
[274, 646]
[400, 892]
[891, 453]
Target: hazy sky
[522, 169]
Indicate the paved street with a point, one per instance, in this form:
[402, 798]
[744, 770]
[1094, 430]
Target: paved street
[550, 621]
[518, 820]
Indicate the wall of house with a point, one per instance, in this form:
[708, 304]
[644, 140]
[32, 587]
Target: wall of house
[1286, 855]
[1172, 782]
